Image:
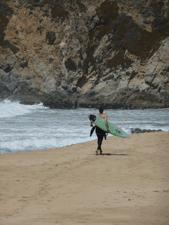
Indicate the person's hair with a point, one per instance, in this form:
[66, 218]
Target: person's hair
[101, 109]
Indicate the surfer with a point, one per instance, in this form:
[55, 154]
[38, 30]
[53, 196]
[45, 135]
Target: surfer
[99, 132]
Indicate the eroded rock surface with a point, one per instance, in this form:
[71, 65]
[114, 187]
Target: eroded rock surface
[83, 53]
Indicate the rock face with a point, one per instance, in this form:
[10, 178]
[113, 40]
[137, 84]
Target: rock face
[82, 53]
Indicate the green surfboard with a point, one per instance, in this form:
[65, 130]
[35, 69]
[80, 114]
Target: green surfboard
[114, 130]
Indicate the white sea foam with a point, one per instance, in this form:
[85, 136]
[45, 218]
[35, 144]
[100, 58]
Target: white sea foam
[33, 127]
[37, 144]
[11, 109]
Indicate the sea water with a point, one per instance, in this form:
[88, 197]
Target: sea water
[34, 127]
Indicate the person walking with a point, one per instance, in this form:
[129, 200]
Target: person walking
[99, 132]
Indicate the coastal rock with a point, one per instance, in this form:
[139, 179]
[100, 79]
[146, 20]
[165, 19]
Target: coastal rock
[138, 130]
[70, 54]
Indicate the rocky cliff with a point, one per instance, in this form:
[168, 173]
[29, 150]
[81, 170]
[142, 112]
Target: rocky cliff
[85, 53]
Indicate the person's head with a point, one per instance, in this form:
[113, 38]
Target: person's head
[101, 109]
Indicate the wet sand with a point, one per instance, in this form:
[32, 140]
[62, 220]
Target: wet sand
[128, 184]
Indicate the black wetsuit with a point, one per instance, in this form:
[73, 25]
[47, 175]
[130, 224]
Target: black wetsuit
[100, 134]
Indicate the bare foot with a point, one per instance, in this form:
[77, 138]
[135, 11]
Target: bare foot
[97, 153]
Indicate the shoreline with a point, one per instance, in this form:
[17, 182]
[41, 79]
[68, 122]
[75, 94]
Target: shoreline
[128, 184]
[136, 132]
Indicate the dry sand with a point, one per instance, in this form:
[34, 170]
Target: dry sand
[128, 184]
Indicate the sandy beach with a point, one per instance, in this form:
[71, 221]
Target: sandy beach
[128, 184]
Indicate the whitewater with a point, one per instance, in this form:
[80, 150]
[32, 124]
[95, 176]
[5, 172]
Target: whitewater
[35, 127]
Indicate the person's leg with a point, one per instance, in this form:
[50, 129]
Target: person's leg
[100, 143]
[100, 139]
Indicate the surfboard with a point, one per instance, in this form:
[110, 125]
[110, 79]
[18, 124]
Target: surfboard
[114, 130]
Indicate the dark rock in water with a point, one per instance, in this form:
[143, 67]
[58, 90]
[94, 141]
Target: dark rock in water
[138, 130]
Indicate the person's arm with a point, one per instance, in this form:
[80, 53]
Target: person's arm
[106, 123]
[91, 123]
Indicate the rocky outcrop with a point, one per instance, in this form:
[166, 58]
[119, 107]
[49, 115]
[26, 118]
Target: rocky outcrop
[83, 53]
[138, 130]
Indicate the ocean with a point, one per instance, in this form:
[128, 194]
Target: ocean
[35, 127]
